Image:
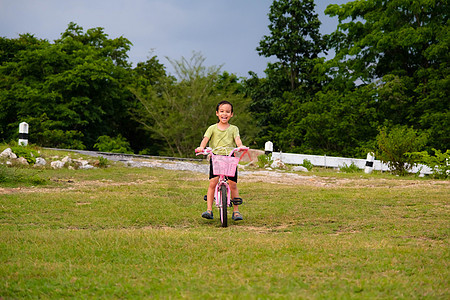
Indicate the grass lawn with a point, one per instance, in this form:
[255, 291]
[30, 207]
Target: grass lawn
[137, 233]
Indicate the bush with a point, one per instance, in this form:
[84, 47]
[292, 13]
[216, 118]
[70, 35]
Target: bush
[118, 144]
[264, 160]
[307, 164]
[102, 162]
[439, 164]
[393, 145]
[25, 152]
[352, 168]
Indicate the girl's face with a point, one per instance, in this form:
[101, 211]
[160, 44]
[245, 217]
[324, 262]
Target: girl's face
[224, 113]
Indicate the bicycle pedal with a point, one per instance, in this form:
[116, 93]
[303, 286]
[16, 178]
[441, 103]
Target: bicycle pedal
[237, 201]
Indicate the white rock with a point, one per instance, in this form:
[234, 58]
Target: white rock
[86, 167]
[57, 164]
[23, 161]
[299, 169]
[40, 162]
[278, 164]
[66, 159]
[8, 153]
[81, 162]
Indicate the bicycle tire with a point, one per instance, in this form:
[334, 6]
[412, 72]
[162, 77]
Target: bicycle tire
[223, 206]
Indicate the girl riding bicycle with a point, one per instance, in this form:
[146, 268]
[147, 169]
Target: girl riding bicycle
[221, 135]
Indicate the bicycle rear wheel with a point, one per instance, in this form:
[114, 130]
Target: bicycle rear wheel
[223, 206]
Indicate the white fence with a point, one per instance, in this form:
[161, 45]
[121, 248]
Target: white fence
[337, 162]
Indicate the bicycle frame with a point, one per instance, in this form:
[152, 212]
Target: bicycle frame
[222, 181]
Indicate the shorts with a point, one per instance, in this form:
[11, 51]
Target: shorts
[211, 174]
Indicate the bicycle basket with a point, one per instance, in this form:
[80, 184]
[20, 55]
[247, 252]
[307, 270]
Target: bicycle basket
[224, 165]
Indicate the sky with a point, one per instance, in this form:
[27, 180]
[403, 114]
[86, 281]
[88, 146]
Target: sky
[225, 32]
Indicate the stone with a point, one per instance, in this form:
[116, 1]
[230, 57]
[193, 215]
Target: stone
[40, 162]
[7, 153]
[66, 159]
[299, 169]
[57, 164]
[81, 162]
[86, 167]
[22, 161]
[278, 164]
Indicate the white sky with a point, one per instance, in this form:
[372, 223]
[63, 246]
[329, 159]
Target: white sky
[226, 32]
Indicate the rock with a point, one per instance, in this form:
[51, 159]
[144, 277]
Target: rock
[81, 162]
[57, 164]
[23, 161]
[86, 167]
[66, 159]
[299, 169]
[7, 153]
[278, 164]
[40, 162]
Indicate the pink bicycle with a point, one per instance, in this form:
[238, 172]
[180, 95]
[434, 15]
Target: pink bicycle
[224, 166]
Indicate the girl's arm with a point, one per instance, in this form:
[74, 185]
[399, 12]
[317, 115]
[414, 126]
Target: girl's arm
[238, 141]
[202, 144]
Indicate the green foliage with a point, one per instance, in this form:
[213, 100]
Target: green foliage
[391, 67]
[70, 91]
[103, 162]
[178, 112]
[6, 174]
[294, 38]
[307, 164]
[14, 175]
[264, 160]
[439, 163]
[403, 46]
[352, 168]
[394, 144]
[25, 152]
[114, 145]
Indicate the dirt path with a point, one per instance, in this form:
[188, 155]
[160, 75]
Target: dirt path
[249, 175]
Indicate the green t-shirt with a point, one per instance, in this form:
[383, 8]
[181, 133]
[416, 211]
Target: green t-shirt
[222, 138]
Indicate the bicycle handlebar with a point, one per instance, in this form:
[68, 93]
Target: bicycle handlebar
[209, 150]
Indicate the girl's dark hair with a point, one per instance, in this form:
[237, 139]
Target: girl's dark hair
[224, 102]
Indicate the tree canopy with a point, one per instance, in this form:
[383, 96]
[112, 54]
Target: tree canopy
[69, 91]
[390, 70]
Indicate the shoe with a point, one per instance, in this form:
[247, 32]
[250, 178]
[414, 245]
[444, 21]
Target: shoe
[237, 216]
[208, 214]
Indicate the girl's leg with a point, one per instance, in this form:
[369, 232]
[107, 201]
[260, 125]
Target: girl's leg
[234, 193]
[210, 194]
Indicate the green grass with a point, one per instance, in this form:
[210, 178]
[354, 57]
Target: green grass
[137, 233]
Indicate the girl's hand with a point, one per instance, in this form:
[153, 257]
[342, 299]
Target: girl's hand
[199, 149]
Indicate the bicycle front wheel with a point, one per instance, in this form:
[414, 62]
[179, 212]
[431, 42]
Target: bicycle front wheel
[223, 206]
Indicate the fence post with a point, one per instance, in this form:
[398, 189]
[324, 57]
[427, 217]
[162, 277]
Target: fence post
[369, 163]
[23, 134]
[268, 148]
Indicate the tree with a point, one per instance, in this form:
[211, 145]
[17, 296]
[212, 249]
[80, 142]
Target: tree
[404, 46]
[294, 38]
[296, 42]
[395, 143]
[70, 92]
[178, 112]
